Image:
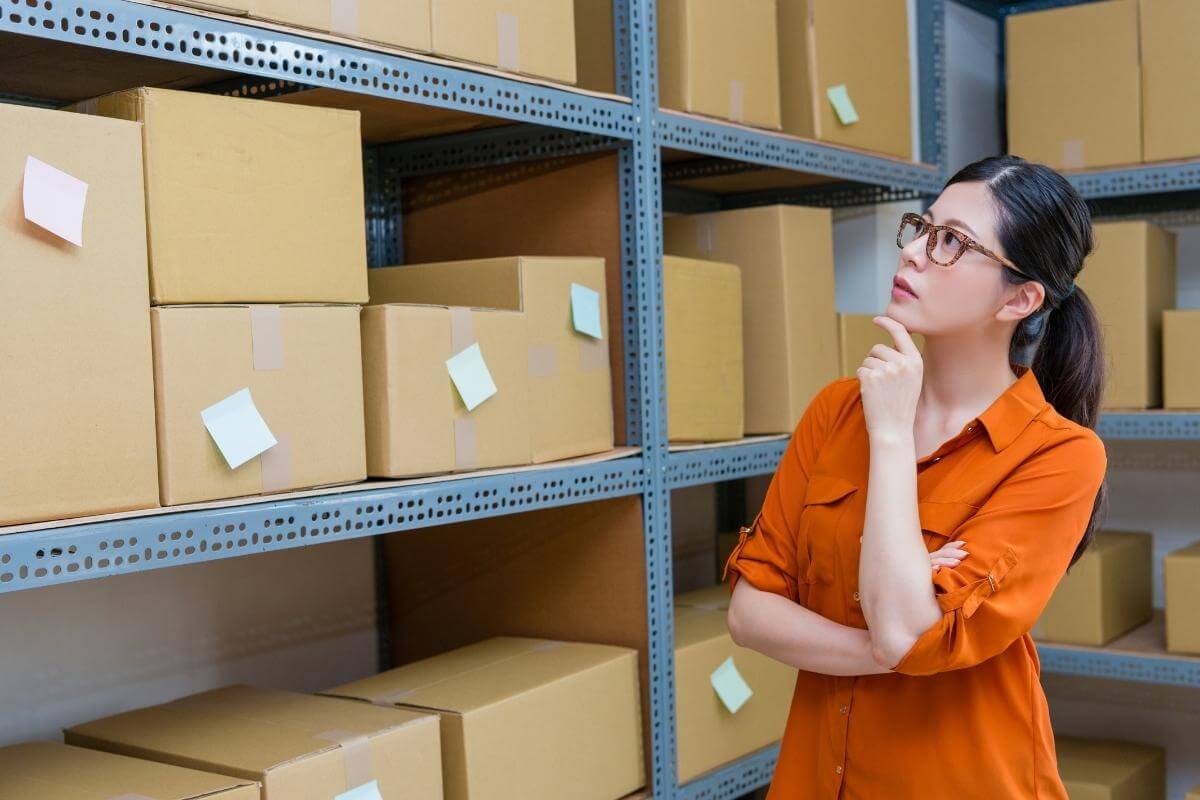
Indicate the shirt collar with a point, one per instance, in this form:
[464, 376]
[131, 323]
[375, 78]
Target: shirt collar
[1013, 410]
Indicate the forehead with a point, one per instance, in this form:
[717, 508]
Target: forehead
[969, 202]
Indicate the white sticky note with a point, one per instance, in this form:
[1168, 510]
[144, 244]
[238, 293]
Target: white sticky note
[585, 310]
[471, 376]
[54, 200]
[842, 104]
[238, 429]
[368, 791]
[730, 685]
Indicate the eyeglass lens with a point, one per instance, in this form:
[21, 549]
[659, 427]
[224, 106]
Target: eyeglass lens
[946, 247]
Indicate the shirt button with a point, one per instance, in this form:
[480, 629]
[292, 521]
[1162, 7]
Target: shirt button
[856, 597]
[938, 458]
[838, 769]
[845, 709]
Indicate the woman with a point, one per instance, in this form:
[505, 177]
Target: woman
[925, 510]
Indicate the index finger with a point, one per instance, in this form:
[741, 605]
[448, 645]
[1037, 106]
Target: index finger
[900, 336]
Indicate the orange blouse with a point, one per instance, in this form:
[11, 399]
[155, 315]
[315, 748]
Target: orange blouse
[963, 714]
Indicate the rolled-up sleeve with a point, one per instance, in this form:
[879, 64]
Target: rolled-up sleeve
[765, 553]
[1020, 543]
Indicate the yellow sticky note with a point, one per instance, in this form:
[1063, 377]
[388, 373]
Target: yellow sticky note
[731, 687]
[842, 104]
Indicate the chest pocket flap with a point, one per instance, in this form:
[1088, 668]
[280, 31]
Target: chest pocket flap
[824, 487]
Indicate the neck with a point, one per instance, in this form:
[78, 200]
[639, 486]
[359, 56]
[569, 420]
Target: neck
[963, 372]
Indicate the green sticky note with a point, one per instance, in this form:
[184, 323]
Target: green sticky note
[730, 685]
[471, 377]
[842, 104]
[585, 310]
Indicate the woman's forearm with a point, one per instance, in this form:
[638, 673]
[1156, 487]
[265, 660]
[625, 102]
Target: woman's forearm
[777, 627]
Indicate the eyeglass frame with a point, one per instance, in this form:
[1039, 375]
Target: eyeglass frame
[968, 242]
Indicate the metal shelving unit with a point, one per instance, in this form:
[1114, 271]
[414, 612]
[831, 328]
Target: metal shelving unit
[139, 42]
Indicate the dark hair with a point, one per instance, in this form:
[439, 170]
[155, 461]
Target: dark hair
[1045, 228]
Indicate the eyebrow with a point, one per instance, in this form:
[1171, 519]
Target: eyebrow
[954, 222]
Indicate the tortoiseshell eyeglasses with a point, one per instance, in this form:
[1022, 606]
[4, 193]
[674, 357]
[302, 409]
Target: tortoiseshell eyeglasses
[944, 245]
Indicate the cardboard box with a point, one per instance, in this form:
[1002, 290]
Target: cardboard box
[248, 201]
[1170, 122]
[857, 334]
[1108, 592]
[569, 378]
[400, 23]
[1181, 374]
[709, 735]
[78, 396]
[38, 770]
[790, 335]
[702, 332]
[298, 746]
[303, 367]
[712, 598]
[1130, 279]
[1194, 794]
[1093, 769]
[531, 37]
[236, 7]
[821, 46]
[595, 68]
[525, 717]
[1181, 576]
[1073, 77]
[726, 541]
[720, 60]
[416, 421]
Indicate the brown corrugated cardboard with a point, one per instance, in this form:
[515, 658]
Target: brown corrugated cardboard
[299, 746]
[532, 37]
[1108, 592]
[702, 334]
[1094, 769]
[569, 381]
[45, 770]
[525, 717]
[720, 60]
[401, 23]
[1130, 279]
[556, 207]
[594, 50]
[821, 46]
[1181, 576]
[310, 397]
[248, 201]
[709, 734]
[77, 396]
[1181, 373]
[790, 334]
[857, 334]
[712, 598]
[416, 422]
[1170, 99]
[1074, 97]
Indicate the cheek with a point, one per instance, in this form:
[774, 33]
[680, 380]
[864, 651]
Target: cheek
[948, 302]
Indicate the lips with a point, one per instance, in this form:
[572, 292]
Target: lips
[900, 283]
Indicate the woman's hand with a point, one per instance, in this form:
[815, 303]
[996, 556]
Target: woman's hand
[948, 555]
[890, 382]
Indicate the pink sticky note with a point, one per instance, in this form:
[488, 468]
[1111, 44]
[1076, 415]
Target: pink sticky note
[54, 200]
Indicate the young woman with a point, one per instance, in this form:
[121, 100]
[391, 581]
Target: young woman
[925, 510]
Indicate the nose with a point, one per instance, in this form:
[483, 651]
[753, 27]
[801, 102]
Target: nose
[914, 253]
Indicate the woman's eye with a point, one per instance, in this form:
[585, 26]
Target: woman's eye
[951, 239]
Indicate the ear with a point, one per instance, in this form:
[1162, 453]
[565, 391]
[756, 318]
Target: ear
[1023, 300]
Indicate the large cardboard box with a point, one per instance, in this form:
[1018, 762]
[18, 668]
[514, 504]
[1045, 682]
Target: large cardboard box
[303, 367]
[720, 60]
[416, 421]
[525, 717]
[1108, 592]
[77, 398]
[532, 37]
[401, 23]
[702, 332]
[1094, 769]
[298, 746]
[1170, 120]
[789, 331]
[711, 598]
[569, 380]
[709, 735]
[238, 7]
[594, 46]
[1181, 576]
[41, 770]
[1181, 373]
[821, 47]
[857, 334]
[248, 201]
[1074, 96]
[1130, 279]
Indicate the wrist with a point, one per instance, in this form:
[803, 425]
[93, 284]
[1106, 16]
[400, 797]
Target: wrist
[891, 440]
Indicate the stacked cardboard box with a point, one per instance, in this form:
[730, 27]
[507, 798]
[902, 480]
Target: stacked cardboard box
[299, 747]
[78, 396]
[43, 769]
[400, 23]
[1110, 770]
[1181, 374]
[525, 717]
[252, 396]
[1181, 574]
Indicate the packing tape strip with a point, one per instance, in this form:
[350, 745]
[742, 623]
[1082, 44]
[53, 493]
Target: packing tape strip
[465, 454]
[508, 41]
[276, 466]
[593, 353]
[91, 106]
[356, 755]
[392, 698]
[705, 235]
[343, 17]
[1072, 154]
[543, 360]
[461, 334]
[737, 101]
[266, 337]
